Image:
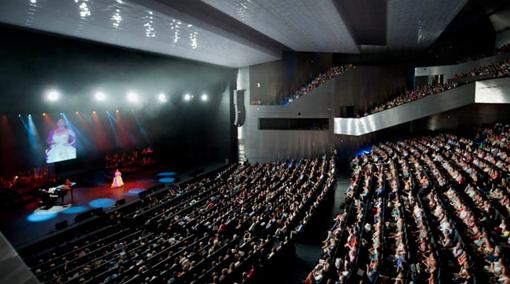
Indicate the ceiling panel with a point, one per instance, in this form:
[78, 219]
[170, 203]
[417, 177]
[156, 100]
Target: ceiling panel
[302, 25]
[501, 20]
[366, 19]
[238, 33]
[129, 24]
[417, 24]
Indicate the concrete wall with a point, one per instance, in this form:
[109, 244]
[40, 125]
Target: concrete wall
[354, 88]
[467, 104]
[271, 82]
[264, 145]
[12, 267]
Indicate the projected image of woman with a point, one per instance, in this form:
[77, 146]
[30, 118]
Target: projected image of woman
[61, 143]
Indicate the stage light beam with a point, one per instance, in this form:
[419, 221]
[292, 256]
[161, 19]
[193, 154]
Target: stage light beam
[204, 97]
[100, 96]
[132, 97]
[162, 98]
[187, 97]
[33, 137]
[52, 95]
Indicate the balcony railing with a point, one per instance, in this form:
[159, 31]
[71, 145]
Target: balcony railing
[495, 91]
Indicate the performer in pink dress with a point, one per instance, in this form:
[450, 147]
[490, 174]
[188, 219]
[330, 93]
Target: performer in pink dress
[117, 180]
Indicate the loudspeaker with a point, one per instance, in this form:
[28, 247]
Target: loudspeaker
[196, 172]
[120, 202]
[82, 216]
[61, 225]
[98, 211]
[143, 194]
[239, 110]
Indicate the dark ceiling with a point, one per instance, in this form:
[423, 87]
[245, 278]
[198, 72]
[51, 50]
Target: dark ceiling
[366, 19]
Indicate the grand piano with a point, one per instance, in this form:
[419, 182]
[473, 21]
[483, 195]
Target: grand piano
[55, 195]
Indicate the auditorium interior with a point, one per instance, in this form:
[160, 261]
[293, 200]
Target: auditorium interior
[255, 141]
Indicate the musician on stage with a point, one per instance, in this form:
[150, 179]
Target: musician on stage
[68, 186]
[55, 195]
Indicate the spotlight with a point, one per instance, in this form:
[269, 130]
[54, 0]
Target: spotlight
[188, 97]
[204, 98]
[162, 98]
[117, 111]
[100, 96]
[77, 113]
[19, 114]
[52, 95]
[93, 112]
[43, 114]
[132, 97]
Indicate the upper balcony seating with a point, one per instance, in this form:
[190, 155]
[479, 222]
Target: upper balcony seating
[495, 70]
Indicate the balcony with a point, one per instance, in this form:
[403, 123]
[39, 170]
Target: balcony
[493, 91]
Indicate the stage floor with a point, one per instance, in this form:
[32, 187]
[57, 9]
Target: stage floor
[23, 224]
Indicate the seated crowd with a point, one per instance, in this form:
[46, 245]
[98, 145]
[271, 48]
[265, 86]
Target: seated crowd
[428, 210]
[496, 137]
[503, 49]
[319, 80]
[211, 230]
[498, 51]
[495, 70]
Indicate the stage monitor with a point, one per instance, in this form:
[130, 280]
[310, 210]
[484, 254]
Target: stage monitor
[61, 143]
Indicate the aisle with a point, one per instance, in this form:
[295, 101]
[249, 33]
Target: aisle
[308, 247]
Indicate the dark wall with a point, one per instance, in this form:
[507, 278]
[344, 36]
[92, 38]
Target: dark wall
[183, 133]
[369, 85]
[271, 82]
[465, 120]
[469, 35]
[366, 85]
[359, 87]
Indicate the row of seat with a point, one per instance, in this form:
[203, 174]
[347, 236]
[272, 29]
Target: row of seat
[432, 209]
[211, 230]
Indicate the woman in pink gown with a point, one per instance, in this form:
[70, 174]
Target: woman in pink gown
[117, 180]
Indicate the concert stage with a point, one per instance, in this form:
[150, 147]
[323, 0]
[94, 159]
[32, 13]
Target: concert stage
[25, 223]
